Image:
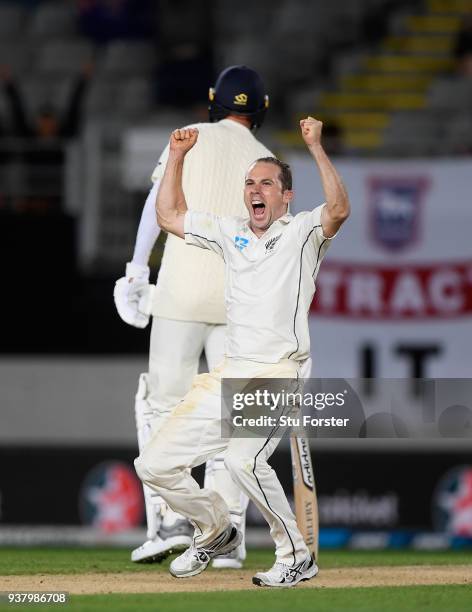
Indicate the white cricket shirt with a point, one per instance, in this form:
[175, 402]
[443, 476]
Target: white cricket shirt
[190, 285]
[270, 281]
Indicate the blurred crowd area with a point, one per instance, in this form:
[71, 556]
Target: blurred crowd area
[389, 78]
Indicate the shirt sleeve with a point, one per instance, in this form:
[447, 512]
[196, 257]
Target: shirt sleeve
[309, 227]
[158, 171]
[204, 230]
[148, 230]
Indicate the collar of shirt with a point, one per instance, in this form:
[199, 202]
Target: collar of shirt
[234, 124]
[284, 220]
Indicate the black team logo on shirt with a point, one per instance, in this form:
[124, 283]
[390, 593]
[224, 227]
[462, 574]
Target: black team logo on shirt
[270, 244]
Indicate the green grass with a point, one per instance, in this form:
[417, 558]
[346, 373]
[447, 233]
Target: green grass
[453, 598]
[82, 560]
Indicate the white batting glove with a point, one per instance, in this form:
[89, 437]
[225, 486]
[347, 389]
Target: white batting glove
[133, 295]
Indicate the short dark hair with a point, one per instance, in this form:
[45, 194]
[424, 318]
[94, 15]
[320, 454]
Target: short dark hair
[285, 171]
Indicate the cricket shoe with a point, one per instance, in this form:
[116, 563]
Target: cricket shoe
[286, 576]
[196, 558]
[171, 540]
[232, 560]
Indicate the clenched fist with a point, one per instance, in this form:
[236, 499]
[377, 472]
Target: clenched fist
[181, 141]
[311, 130]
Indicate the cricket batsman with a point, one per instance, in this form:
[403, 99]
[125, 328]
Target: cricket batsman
[269, 286]
[187, 304]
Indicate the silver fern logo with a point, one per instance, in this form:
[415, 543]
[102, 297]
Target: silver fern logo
[270, 244]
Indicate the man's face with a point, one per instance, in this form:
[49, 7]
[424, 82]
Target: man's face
[263, 196]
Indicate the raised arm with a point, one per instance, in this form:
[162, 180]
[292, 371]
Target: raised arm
[337, 207]
[170, 202]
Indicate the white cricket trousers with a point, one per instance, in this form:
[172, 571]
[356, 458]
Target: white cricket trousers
[192, 434]
[174, 357]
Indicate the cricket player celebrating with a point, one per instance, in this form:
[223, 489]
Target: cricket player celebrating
[188, 302]
[272, 260]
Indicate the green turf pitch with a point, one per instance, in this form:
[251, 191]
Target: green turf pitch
[83, 560]
[453, 598]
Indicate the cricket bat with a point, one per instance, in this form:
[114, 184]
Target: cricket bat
[306, 503]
